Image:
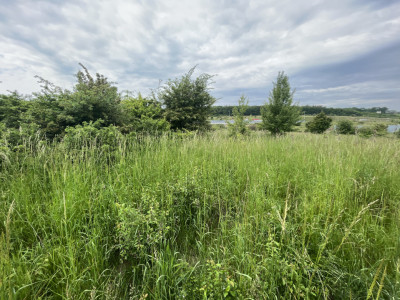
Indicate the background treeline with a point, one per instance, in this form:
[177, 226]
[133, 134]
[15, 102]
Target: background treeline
[307, 110]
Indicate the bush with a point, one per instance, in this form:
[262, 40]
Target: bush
[142, 115]
[376, 130]
[319, 124]
[26, 135]
[397, 133]
[188, 102]
[380, 129]
[345, 127]
[92, 135]
[365, 131]
[142, 226]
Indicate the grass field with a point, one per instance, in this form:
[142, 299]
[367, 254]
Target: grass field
[202, 216]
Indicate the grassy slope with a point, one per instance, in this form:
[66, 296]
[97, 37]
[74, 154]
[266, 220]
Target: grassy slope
[295, 217]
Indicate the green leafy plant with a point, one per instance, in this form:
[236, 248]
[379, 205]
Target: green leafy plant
[319, 124]
[365, 131]
[239, 125]
[380, 129]
[279, 114]
[141, 226]
[188, 102]
[92, 134]
[141, 115]
[345, 127]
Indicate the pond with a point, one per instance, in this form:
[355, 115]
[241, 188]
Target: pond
[393, 128]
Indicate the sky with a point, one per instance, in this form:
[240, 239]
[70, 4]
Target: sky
[336, 53]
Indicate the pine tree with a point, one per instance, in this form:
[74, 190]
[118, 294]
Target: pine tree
[279, 114]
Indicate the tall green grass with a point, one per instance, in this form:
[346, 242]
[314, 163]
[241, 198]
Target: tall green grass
[301, 216]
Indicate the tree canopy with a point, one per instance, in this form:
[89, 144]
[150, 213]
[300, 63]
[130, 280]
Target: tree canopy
[188, 101]
[279, 114]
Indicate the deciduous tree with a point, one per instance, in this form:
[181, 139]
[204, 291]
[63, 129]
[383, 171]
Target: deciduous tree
[188, 101]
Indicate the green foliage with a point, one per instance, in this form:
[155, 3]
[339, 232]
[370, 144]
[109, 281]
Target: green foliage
[26, 136]
[380, 129]
[345, 127]
[279, 114]
[365, 131]
[12, 109]
[143, 115]
[319, 124]
[217, 283]
[239, 126]
[92, 135]
[46, 110]
[91, 100]
[298, 217]
[54, 109]
[187, 102]
[142, 226]
[397, 133]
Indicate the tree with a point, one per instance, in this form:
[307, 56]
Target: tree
[319, 124]
[53, 109]
[12, 109]
[187, 102]
[92, 99]
[45, 109]
[238, 127]
[279, 115]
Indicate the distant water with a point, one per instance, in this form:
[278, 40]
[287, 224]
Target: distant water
[224, 122]
[393, 128]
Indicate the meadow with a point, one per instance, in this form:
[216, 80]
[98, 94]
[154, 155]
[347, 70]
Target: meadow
[201, 216]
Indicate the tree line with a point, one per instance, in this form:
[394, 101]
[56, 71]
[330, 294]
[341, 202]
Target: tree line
[180, 104]
[255, 110]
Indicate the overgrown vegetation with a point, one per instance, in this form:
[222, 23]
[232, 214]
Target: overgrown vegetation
[194, 217]
[111, 196]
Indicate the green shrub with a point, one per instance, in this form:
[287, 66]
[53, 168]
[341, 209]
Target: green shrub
[92, 135]
[319, 124]
[143, 115]
[380, 129]
[238, 127]
[188, 102]
[365, 131]
[345, 127]
[141, 227]
[27, 135]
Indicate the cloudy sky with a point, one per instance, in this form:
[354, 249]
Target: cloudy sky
[336, 53]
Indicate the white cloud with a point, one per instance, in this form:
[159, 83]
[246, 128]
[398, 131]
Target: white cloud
[136, 43]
